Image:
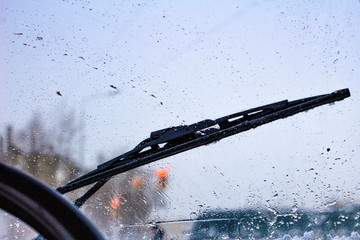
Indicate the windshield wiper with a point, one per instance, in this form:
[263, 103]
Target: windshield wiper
[170, 141]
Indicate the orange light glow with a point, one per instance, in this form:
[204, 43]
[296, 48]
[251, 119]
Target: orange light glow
[115, 203]
[162, 177]
[137, 182]
[162, 173]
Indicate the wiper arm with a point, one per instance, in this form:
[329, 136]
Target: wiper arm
[170, 141]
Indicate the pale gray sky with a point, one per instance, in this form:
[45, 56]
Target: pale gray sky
[200, 60]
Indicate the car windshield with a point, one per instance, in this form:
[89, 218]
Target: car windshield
[82, 82]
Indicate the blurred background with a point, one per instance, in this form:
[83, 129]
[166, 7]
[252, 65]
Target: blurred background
[82, 82]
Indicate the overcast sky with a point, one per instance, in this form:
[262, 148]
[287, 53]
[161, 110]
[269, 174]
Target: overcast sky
[179, 62]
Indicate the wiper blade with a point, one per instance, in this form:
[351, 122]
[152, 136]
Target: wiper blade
[170, 141]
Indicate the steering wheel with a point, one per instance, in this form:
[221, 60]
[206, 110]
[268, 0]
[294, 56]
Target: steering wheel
[42, 208]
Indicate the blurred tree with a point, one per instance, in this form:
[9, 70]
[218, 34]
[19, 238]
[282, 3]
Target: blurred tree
[39, 152]
[128, 198]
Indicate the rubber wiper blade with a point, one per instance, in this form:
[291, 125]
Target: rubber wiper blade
[170, 141]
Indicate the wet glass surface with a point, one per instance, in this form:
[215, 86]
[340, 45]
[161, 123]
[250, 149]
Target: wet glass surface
[13, 228]
[82, 82]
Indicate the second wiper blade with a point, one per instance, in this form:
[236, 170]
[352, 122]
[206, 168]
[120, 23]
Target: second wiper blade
[170, 141]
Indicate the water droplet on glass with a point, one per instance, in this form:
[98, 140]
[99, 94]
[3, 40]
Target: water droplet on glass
[193, 215]
[224, 236]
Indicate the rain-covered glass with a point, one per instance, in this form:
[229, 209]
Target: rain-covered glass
[82, 82]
